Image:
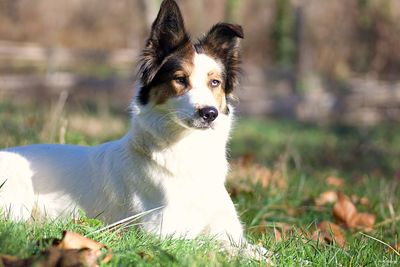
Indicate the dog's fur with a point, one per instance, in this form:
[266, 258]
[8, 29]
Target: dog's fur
[172, 158]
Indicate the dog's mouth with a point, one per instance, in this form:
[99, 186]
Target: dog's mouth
[200, 124]
[195, 121]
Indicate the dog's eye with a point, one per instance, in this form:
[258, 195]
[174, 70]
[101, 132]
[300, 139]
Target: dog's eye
[215, 83]
[181, 80]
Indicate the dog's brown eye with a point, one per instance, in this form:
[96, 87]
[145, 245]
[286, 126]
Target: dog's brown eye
[181, 80]
[215, 83]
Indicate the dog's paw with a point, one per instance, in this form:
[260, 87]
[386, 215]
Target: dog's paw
[256, 252]
[250, 251]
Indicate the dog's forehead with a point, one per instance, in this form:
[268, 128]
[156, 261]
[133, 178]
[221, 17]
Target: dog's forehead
[204, 66]
[196, 63]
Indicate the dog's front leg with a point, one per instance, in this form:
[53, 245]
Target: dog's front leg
[225, 226]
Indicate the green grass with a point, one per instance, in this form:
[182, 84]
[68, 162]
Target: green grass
[367, 158]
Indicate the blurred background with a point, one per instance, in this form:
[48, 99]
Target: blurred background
[331, 65]
[312, 60]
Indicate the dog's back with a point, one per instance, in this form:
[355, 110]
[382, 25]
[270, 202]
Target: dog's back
[48, 169]
[51, 181]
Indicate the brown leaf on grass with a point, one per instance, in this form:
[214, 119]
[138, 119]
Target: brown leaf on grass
[71, 240]
[346, 213]
[53, 257]
[327, 197]
[11, 261]
[344, 210]
[329, 233]
[244, 174]
[72, 250]
[363, 221]
[70, 257]
[335, 181]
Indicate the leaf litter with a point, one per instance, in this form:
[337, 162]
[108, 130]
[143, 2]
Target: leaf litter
[245, 174]
[344, 212]
[71, 250]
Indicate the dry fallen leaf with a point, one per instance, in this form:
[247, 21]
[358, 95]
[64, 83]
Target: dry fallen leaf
[244, 173]
[11, 261]
[335, 181]
[53, 257]
[344, 210]
[71, 240]
[329, 233]
[346, 213]
[70, 257]
[327, 197]
[72, 250]
[363, 221]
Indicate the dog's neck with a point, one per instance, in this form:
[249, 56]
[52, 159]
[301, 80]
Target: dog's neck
[193, 155]
[151, 133]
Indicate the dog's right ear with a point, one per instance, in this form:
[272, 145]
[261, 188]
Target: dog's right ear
[167, 34]
[222, 41]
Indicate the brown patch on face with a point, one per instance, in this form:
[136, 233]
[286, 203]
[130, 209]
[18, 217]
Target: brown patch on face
[167, 37]
[173, 77]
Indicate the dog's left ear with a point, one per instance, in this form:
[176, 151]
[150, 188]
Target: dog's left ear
[223, 42]
[167, 35]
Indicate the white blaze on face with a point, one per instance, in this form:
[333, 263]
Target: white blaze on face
[205, 69]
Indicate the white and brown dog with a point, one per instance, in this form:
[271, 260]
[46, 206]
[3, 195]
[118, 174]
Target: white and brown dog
[172, 160]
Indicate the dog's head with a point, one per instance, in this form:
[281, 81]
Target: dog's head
[188, 82]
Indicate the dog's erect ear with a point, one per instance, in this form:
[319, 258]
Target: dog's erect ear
[167, 34]
[168, 30]
[222, 42]
[222, 37]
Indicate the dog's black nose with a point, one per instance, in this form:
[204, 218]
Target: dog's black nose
[209, 114]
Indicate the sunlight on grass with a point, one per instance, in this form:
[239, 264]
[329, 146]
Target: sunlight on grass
[300, 156]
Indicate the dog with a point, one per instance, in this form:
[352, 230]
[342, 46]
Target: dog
[171, 165]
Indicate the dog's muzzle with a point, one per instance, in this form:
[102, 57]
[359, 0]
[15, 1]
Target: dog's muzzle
[204, 118]
[208, 114]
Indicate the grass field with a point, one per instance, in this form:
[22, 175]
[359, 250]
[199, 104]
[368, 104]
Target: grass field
[293, 159]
